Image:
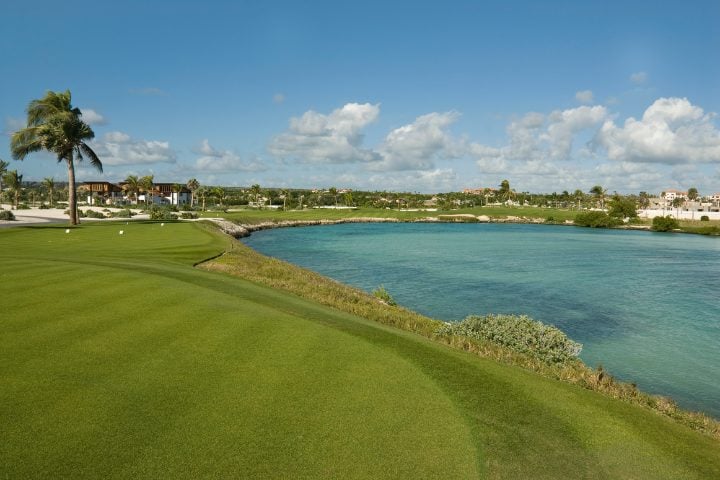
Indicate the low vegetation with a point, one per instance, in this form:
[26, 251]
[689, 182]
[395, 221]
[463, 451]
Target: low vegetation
[596, 219]
[665, 224]
[518, 333]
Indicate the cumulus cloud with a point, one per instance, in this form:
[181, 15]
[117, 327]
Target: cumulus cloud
[223, 161]
[92, 117]
[584, 96]
[638, 78]
[333, 138]
[671, 131]
[539, 138]
[434, 180]
[118, 148]
[418, 145]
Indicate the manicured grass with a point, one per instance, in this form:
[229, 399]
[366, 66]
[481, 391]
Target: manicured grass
[118, 359]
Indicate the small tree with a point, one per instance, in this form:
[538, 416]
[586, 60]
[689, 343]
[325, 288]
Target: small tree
[665, 224]
[622, 207]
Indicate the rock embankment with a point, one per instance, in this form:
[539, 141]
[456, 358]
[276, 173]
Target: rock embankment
[244, 230]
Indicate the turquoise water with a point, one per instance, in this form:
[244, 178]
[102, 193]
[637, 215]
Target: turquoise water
[645, 305]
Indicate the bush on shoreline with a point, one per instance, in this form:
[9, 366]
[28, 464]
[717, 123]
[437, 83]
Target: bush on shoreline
[596, 219]
[519, 333]
[664, 224]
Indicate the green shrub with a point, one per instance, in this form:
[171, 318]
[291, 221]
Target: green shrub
[6, 215]
[519, 333]
[124, 213]
[44, 206]
[23, 206]
[704, 218]
[381, 294]
[596, 219]
[161, 213]
[188, 215]
[93, 214]
[664, 224]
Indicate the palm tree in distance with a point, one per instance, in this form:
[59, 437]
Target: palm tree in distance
[146, 185]
[132, 186]
[54, 125]
[255, 190]
[202, 193]
[3, 171]
[333, 191]
[219, 194]
[49, 184]
[14, 183]
[599, 192]
[506, 193]
[284, 193]
[193, 185]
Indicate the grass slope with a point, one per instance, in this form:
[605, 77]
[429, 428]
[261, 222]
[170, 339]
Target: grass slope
[120, 360]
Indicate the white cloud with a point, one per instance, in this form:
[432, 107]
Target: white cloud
[539, 138]
[278, 98]
[418, 145]
[639, 78]
[223, 161]
[118, 148]
[435, 180]
[92, 117]
[671, 131]
[584, 96]
[333, 138]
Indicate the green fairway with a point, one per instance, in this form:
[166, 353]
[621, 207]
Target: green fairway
[118, 359]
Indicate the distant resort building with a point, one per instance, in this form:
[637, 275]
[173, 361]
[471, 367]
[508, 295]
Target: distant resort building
[107, 193]
[478, 191]
[672, 194]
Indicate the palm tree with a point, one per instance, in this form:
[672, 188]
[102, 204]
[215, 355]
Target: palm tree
[505, 192]
[14, 183]
[132, 186]
[334, 193]
[176, 189]
[193, 185]
[255, 190]
[146, 185]
[202, 193]
[54, 125]
[49, 184]
[677, 203]
[599, 192]
[218, 193]
[284, 193]
[3, 171]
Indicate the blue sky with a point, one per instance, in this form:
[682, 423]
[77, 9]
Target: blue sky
[411, 96]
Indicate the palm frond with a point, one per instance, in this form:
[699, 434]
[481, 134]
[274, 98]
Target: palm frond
[89, 153]
[24, 142]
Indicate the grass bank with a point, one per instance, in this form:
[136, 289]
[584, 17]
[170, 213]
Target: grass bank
[118, 359]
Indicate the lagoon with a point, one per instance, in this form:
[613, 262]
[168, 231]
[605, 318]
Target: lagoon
[645, 305]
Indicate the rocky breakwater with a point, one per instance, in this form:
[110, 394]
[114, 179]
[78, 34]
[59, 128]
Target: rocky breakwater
[244, 230]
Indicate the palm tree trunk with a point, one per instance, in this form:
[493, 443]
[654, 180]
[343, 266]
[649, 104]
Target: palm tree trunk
[72, 201]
